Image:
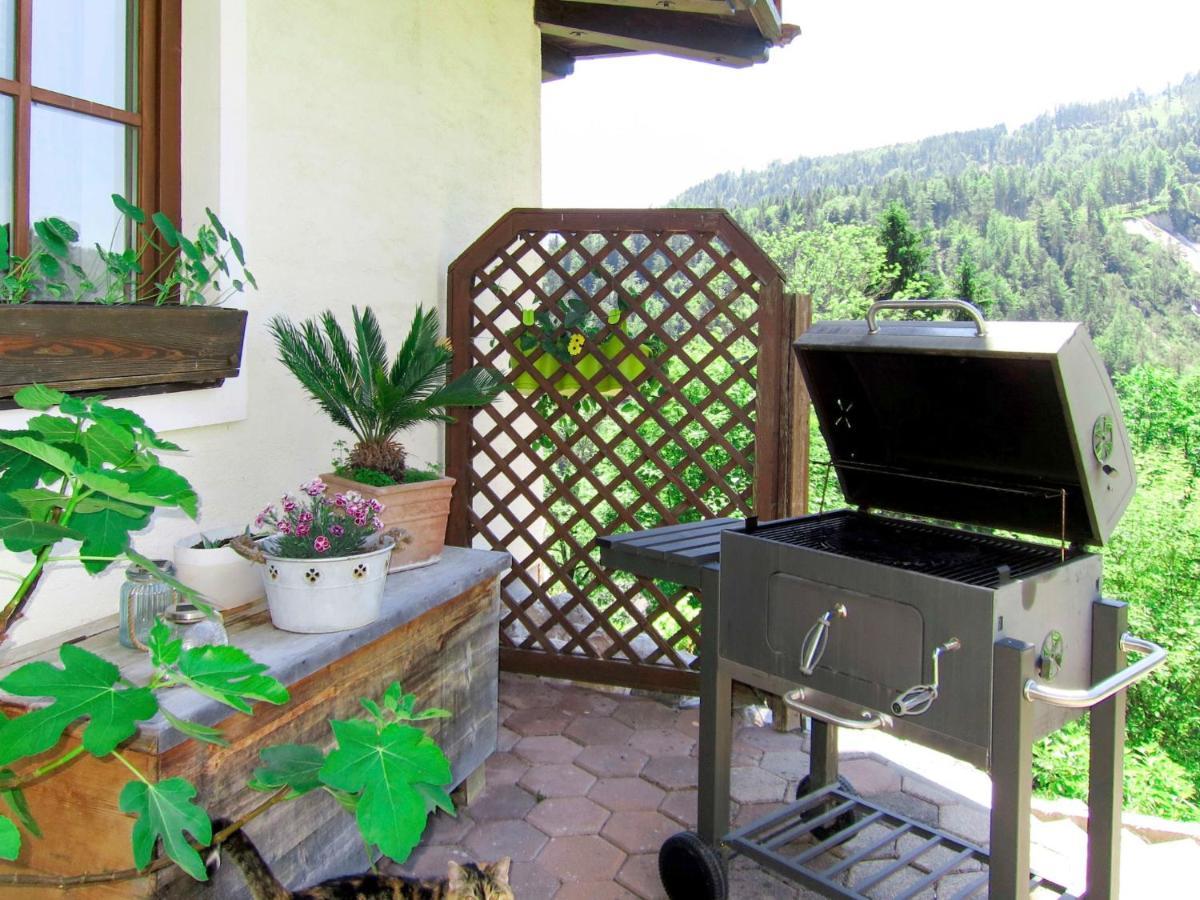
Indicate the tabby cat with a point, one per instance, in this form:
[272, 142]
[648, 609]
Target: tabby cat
[464, 882]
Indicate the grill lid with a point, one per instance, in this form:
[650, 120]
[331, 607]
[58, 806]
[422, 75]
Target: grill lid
[1014, 428]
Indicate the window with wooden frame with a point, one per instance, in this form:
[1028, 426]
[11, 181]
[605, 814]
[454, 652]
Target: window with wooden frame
[90, 107]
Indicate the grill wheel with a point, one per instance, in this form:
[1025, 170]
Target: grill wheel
[841, 823]
[690, 869]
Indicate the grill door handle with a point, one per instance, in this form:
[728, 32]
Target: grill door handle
[962, 305]
[813, 646]
[1115, 683]
[870, 718]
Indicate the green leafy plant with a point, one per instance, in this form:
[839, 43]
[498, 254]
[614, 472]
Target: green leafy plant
[98, 461]
[87, 687]
[91, 474]
[351, 379]
[563, 329]
[205, 269]
[384, 769]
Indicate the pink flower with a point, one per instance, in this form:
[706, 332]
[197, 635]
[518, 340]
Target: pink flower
[321, 544]
[284, 528]
[303, 529]
[376, 506]
[336, 530]
[306, 516]
[314, 488]
[361, 521]
[377, 523]
[267, 513]
[288, 504]
[339, 500]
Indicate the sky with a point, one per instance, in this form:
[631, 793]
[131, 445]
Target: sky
[862, 73]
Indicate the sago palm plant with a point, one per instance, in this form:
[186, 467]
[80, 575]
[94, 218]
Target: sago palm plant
[352, 381]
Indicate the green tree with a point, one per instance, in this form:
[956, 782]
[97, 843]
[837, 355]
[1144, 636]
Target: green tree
[904, 252]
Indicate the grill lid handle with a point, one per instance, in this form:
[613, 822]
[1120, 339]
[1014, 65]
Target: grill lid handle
[962, 305]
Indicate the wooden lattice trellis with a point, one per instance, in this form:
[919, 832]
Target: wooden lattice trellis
[713, 425]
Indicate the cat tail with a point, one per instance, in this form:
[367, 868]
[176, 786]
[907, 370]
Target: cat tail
[240, 849]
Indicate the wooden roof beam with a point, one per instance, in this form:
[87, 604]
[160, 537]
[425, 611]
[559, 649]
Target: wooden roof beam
[652, 31]
[766, 17]
[556, 62]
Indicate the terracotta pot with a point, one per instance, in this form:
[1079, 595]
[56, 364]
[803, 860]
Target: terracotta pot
[421, 508]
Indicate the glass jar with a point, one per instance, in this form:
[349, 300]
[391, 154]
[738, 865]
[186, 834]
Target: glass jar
[191, 625]
[143, 599]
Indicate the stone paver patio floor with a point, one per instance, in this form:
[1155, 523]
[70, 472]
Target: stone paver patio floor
[587, 784]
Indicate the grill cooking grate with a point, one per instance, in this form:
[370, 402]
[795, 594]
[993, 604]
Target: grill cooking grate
[961, 556]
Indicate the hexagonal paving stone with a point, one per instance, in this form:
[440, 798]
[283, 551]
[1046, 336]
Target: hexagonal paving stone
[568, 815]
[626, 793]
[494, 840]
[662, 741]
[646, 714]
[430, 862]
[611, 761]
[507, 801]
[595, 730]
[767, 738]
[750, 784]
[752, 812]
[581, 858]
[892, 886]
[935, 857]
[557, 781]
[640, 875]
[970, 822]
[671, 772]
[636, 831]
[527, 722]
[531, 882]
[748, 879]
[688, 721]
[529, 693]
[785, 763]
[680, 806]
[546, 748]
[506, 738]
[871, 776]
[583, 702]
[504, 768]
[908, 805]
[594, 890]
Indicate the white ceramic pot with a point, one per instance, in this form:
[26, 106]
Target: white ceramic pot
[225, 579]
[313, 596]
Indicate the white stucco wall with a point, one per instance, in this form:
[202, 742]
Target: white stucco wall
[357, 146]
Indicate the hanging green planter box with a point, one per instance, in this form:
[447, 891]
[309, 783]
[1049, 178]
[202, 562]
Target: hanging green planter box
[586, 367]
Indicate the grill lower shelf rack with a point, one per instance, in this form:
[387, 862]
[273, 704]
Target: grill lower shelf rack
[818, 840]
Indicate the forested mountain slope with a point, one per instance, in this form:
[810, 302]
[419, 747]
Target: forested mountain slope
[1029, 222]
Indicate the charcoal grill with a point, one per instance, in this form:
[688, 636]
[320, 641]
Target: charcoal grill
[901, 613]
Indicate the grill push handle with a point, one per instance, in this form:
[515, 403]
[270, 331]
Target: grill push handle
[1113, 684]
[962, 305]
[868, 718]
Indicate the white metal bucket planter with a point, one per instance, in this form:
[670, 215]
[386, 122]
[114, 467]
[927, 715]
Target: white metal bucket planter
[319, 595]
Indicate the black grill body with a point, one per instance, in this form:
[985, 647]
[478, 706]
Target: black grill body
[907, 587]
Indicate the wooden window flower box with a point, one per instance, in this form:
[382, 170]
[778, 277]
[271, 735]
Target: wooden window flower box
[91, 347]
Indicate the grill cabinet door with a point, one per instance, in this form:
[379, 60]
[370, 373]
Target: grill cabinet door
[880, 641]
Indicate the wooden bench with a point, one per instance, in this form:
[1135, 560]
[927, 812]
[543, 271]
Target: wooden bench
[438, 636]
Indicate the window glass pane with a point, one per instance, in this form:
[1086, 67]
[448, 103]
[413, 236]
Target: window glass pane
[77, 163]
[8, 38]
[6, 161]
[79, 48]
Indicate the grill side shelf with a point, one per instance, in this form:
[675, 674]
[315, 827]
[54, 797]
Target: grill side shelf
[677, 553]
